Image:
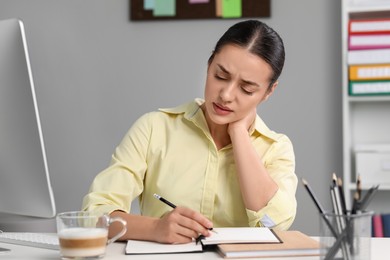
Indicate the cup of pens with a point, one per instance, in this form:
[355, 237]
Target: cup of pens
[346, 236]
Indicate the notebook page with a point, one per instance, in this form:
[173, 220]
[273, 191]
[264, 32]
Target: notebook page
[241, 235]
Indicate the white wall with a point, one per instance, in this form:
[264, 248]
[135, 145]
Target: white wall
[96, 71]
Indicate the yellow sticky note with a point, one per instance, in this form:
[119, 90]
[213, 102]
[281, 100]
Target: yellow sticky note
[231, 8]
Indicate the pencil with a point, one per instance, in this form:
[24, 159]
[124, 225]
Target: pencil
[342, 195]
[173, 206]
[312, 195]
[319, 207]
[338, 205]
[368, 197]
[164, 200]
[359, 187]
[356, 203]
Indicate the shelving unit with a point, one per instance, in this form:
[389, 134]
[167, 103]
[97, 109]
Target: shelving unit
[366, 119]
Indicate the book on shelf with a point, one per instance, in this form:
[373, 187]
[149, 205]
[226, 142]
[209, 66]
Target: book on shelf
[368, 41]
[370, 56]
[377, 225]
[368, 26]
[369, 72]
[386, 224]
[295, 243]
[357, 88]
[381, 225]
[231, 235]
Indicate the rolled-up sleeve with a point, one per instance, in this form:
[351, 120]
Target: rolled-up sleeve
[280, 211]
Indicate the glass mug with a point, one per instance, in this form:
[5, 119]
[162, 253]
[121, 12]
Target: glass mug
[84, 234]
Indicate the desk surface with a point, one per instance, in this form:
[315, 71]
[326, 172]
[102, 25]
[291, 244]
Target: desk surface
[379, 251]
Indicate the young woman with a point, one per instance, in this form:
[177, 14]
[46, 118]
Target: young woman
[213, 158]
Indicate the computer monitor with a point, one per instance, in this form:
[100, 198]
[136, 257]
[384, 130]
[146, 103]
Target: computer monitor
[25, 188]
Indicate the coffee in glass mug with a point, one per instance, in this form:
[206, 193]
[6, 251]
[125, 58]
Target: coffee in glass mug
[84, 234]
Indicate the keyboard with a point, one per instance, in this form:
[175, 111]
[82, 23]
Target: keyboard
[41, 240]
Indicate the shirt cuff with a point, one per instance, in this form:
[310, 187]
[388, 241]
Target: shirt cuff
[279, 213]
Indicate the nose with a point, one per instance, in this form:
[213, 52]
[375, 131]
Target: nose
[227, 92]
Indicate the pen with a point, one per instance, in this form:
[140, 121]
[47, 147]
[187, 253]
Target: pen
[173, 206]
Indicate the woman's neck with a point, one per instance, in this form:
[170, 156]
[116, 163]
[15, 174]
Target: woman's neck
[219, 133]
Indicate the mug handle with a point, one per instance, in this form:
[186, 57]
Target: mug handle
[121, 233]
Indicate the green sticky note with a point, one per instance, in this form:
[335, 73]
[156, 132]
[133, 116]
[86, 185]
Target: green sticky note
[231, 8]
[148, 4]
[164, 8]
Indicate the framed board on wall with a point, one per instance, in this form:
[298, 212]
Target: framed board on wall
[198, 9]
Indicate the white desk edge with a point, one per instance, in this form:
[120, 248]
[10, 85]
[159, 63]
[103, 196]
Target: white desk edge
[115, 251]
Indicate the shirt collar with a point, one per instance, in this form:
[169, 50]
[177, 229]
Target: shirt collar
[194, 113]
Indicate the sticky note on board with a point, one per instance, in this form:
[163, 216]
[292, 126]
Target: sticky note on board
[231, 8]
[198, 1]
[164, 8]
[218, 8]
[148, 4]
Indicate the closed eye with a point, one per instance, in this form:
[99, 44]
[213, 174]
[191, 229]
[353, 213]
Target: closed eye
[220, 77]
[246, 91]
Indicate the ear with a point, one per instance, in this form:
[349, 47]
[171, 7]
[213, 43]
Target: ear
[270, 91]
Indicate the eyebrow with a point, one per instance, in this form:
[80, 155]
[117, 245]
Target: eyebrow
[248, 82]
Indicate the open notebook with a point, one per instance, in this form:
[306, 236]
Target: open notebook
[234, 235]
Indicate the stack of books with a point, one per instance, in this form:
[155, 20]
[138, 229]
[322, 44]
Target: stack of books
[369, 56]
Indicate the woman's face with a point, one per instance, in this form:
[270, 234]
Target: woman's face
[237, 81]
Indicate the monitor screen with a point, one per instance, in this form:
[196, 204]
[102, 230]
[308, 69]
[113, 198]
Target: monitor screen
[25, 188]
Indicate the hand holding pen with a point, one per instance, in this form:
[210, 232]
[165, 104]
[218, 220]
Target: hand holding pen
[182, 224]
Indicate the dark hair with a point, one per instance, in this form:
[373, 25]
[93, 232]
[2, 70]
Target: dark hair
[259, 39]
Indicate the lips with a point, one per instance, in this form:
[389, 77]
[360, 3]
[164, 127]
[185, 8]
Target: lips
[221, 110]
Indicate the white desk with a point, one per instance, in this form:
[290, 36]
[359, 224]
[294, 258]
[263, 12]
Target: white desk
[379, 251]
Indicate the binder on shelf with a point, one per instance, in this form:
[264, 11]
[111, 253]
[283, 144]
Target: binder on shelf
[357, 88]
[367, 26]
[386, 225]
[371, 56]
[377, 226]
[369, 72]
[369, 41]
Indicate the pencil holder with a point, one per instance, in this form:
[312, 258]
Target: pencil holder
[345, 236]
